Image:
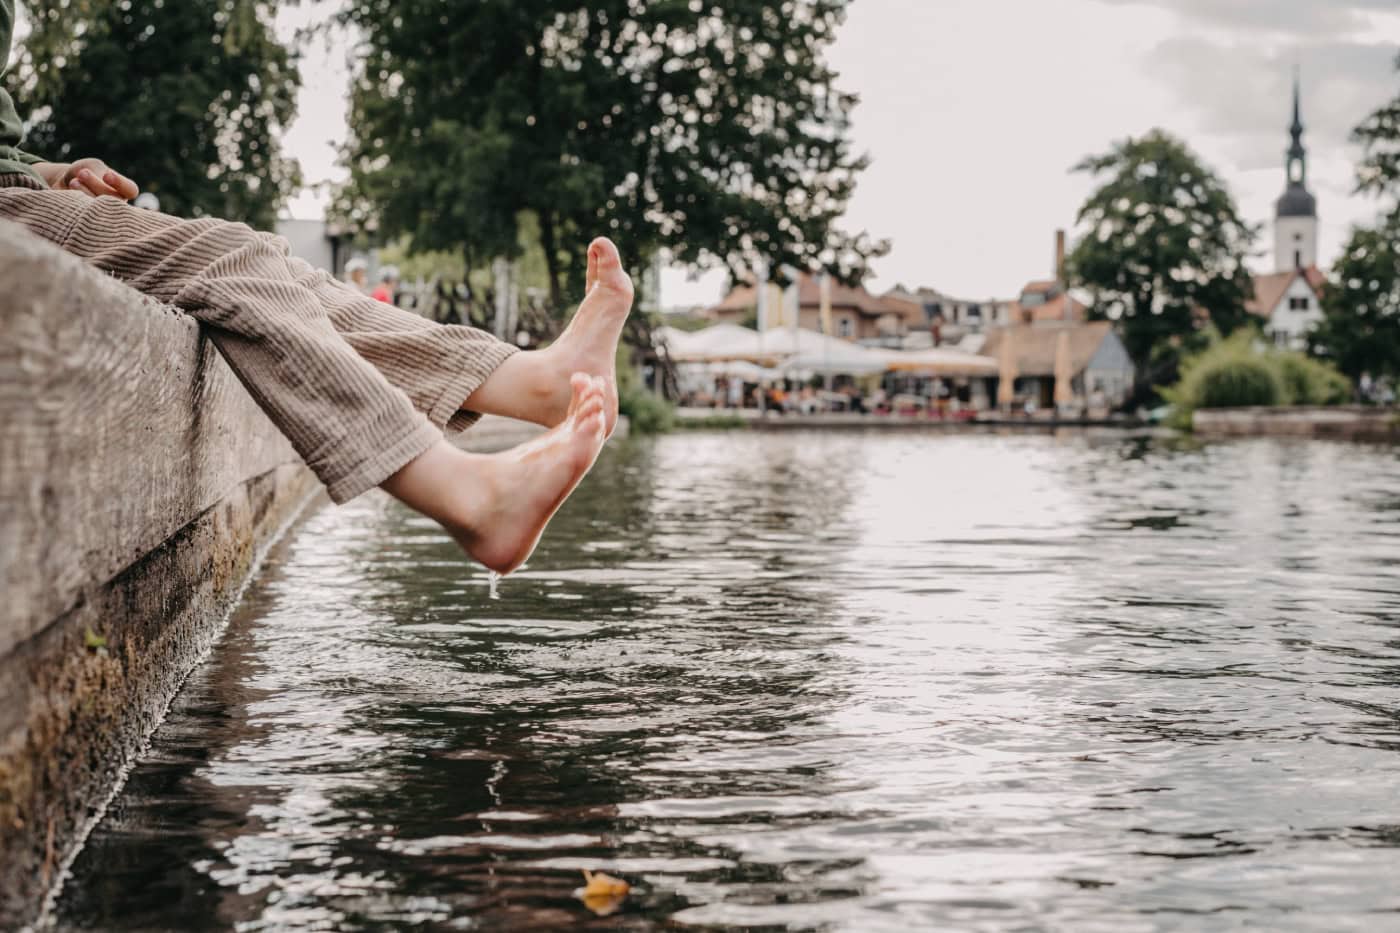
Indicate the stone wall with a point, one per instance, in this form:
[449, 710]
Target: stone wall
[1351, 423]
[138, 485]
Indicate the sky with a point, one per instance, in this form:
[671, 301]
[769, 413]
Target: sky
[973, 112]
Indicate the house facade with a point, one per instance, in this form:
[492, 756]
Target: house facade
[1101, 371]
[951, 319]
[1289, 305]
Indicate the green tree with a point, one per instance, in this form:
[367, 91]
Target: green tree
[1379, 137]
[717, 135]
[188, 97]
[1360, 329]
[1163, 242]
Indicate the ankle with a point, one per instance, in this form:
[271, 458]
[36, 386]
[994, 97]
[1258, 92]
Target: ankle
[444, 483]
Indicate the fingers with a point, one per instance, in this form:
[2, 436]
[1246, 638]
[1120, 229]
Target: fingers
[86, 181]
[126, 188]
[103, 183]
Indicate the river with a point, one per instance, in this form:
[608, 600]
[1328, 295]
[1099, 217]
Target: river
[795, 681]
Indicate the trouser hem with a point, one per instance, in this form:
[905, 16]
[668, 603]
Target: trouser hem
[383, 463]
[472, 365]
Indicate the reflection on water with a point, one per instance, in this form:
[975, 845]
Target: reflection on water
[797, 681]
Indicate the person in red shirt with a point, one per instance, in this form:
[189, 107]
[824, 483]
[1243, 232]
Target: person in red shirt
[388, 285]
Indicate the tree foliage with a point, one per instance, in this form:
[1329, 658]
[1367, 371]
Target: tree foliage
[716, 133]
[1360, 329]
[188, 97]
[1379, 137]
[1162, 240]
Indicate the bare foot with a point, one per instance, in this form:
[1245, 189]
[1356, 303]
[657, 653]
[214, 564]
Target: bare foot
[511, 496]
[589, 343]
[534, 386]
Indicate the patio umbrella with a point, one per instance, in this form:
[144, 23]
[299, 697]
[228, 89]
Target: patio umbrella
[803, 350]
[1064, 370]
[1006, 385]
[718, 342]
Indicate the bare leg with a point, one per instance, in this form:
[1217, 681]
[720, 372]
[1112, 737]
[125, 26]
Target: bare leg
[496, 506]
[534, 386]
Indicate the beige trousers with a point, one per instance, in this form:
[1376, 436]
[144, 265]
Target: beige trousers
[359, 387]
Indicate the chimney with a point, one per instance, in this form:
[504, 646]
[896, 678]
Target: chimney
[1060, 256]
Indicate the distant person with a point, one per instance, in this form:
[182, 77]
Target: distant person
[357, 275]
[362, 390]
[388, 285]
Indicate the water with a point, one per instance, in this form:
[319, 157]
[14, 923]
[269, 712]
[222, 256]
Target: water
[854, 682]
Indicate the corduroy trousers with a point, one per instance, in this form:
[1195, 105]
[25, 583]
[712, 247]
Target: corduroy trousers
[359, 387]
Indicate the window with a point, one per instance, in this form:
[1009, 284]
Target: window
[1280, 338]
[1299, 304]
[1298, 258]
[844, 328]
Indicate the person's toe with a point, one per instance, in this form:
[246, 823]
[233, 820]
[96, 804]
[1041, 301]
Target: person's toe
[591, 278]
[609, 264]
[590, 406]
[603, 255]
[579, 383]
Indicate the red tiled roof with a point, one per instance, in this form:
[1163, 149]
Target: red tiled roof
[843, 297]
[1270, 289]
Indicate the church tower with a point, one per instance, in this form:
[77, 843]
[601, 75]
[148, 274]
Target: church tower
[1295, 220]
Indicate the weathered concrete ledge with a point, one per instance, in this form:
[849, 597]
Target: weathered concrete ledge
[1350, 423]
[138, 483]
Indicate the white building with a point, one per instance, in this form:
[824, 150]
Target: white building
[323, 245]
[1288, 298]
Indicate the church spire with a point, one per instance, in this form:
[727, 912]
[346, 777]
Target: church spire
[1295, 215]
[1296, 200]
[1297, 155]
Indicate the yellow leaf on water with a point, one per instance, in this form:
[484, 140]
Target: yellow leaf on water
[602, 894]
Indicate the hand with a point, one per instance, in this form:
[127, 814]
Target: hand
[92, 177]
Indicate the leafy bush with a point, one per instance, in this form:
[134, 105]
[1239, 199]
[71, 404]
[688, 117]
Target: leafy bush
[1227, 373]
[1237, 382]
[1307, 381]
[648, 413]
[1236, 372]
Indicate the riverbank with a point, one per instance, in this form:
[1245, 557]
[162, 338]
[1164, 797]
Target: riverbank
[753, 419]
[1349, 423]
